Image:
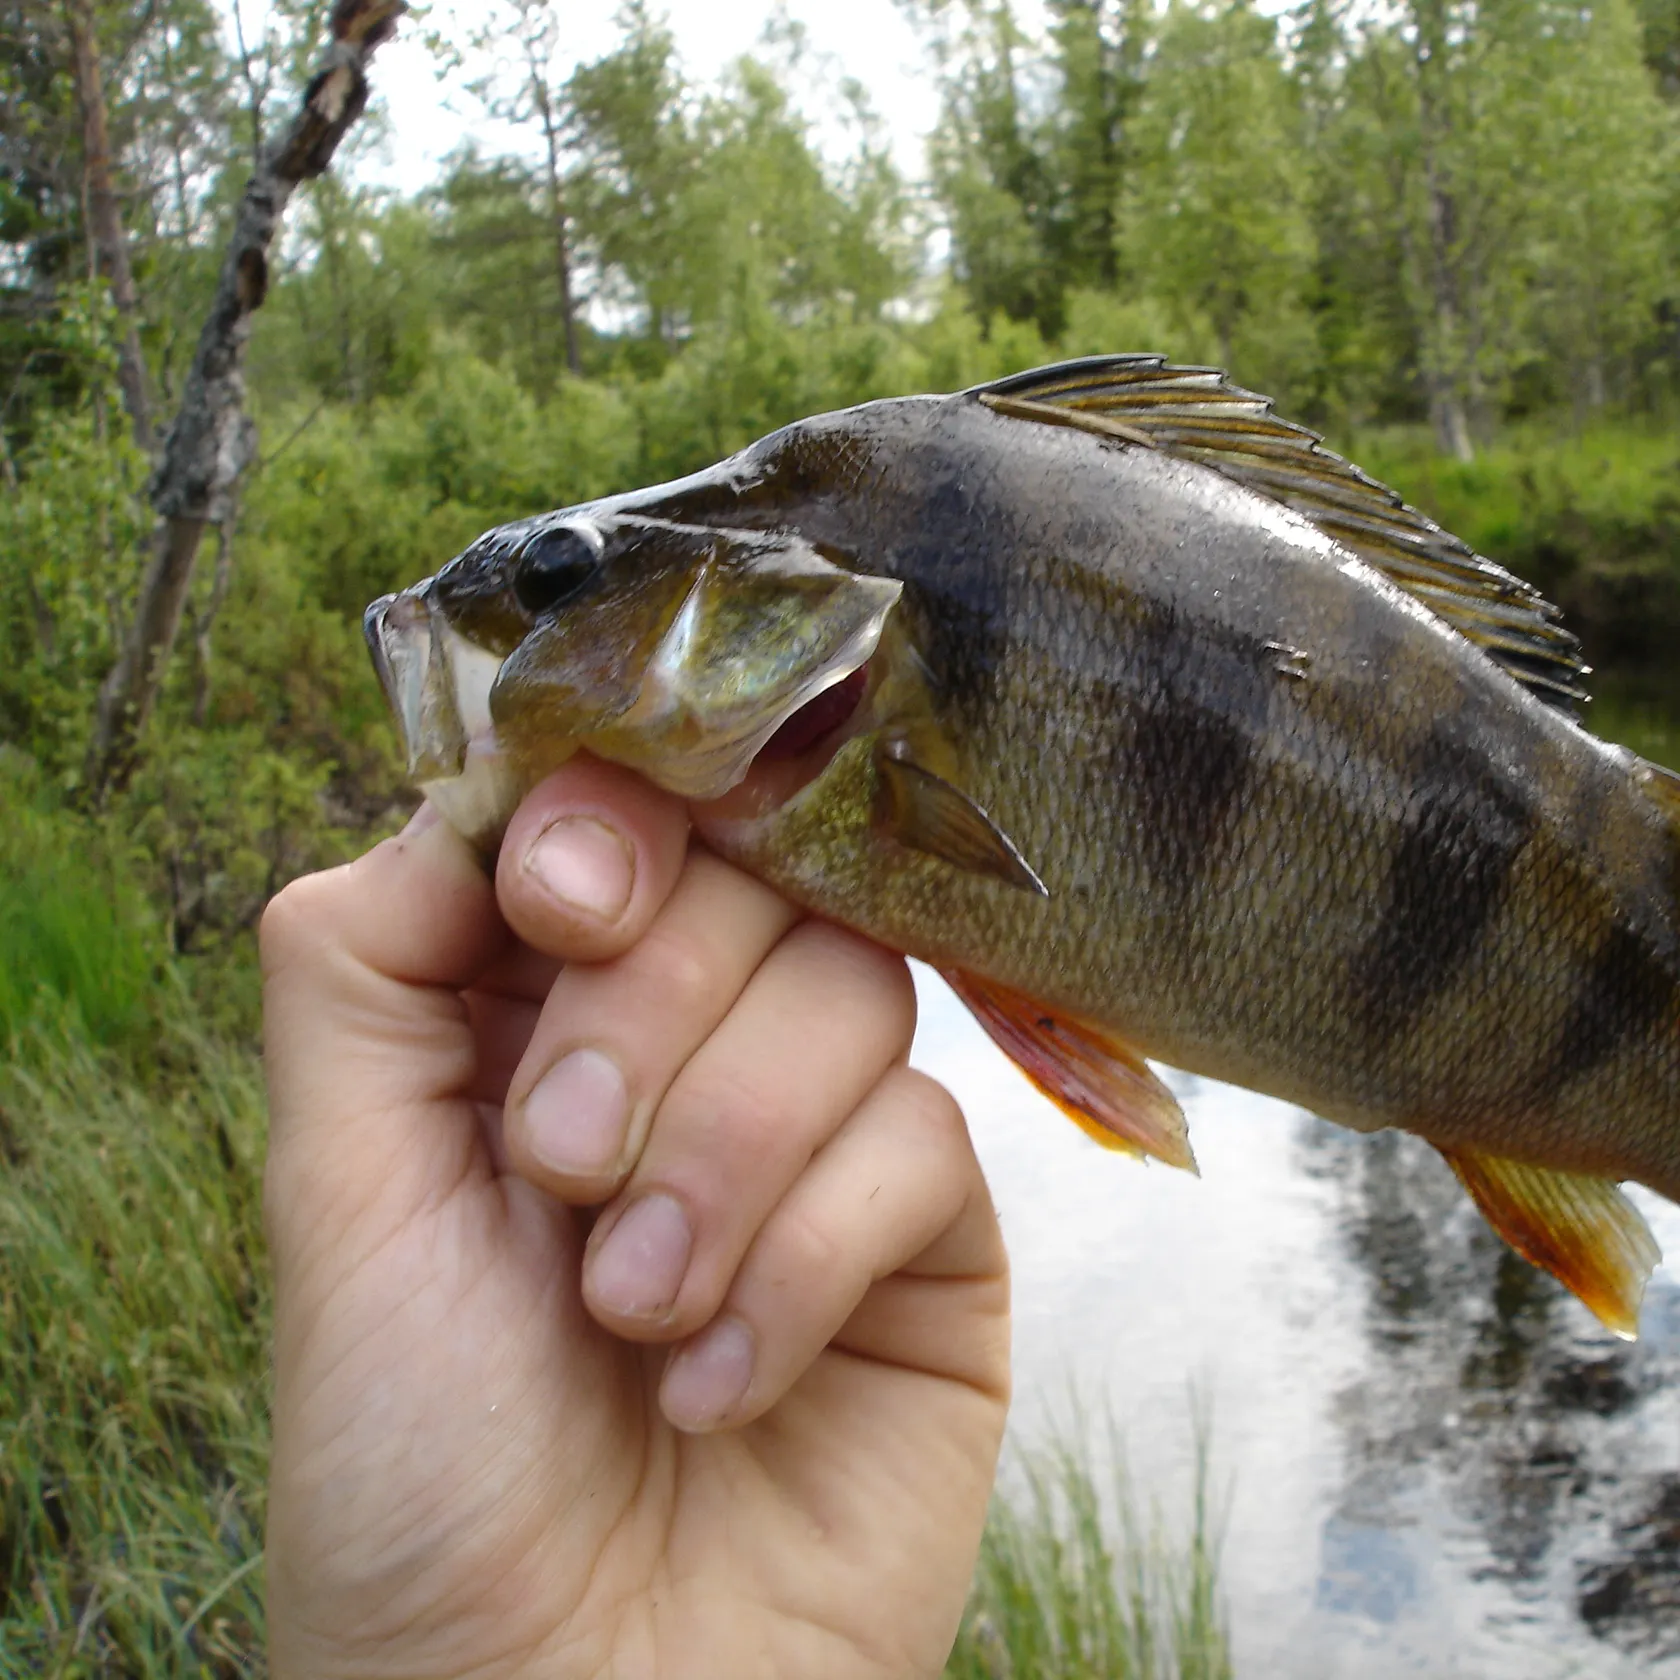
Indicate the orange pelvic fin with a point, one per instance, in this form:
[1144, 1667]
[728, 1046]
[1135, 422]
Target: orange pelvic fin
[1581, 1229]
[1101, 1083]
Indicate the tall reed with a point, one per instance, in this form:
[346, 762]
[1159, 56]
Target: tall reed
[1074, 1583]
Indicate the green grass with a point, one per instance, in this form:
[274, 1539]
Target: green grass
[133, 1323]
[1073, 1584]
[75, 934]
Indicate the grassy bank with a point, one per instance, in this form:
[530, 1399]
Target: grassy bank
[1074, 1581]
[133, 1315]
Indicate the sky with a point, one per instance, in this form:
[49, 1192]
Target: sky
[429, 117]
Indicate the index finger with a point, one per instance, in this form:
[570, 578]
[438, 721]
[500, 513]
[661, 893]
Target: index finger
[364, 966]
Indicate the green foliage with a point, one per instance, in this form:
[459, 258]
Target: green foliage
[81, 942]
[1074, 1584]
[134, 1315]
[1217, 223]
[70, 546]
[1593, 519]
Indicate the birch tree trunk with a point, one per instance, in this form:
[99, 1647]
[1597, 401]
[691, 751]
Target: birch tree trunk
[105, 224]
[212, 439]
[1444, 359]
[557, 215]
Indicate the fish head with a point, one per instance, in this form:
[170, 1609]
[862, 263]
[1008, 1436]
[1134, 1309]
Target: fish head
[677, 649]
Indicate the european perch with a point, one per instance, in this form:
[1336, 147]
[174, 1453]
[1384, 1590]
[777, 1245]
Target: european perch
[1161, 731]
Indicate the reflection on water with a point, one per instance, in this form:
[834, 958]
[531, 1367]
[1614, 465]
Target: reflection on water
[1438, 1463]
[1551, 1443]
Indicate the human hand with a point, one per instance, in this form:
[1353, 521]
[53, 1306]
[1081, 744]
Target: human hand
[742, 1420]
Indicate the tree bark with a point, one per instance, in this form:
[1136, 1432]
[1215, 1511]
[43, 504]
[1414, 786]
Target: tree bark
[557, 215]
[105, 224]
[212, 439]
[1445, 361]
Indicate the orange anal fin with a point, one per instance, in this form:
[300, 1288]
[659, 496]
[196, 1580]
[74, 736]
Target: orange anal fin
[1102, 1084]
[1581, 1229]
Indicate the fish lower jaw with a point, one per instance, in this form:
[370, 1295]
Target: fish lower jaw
[480, 801]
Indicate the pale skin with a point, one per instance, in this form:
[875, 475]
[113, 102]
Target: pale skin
[692, 1361]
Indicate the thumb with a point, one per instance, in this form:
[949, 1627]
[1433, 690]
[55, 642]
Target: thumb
[369, 1045]
[363, 967]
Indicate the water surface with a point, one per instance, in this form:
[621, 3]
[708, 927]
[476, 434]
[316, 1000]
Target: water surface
[1435, 1462]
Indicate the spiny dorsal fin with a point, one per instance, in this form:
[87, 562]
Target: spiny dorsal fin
[1197, 414]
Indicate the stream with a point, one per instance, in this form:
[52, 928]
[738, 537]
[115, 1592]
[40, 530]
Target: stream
[1429, 1459]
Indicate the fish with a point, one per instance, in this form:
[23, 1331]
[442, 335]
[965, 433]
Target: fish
[1163, 732]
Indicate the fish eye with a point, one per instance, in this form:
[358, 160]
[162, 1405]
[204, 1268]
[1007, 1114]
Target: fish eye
[554, 567]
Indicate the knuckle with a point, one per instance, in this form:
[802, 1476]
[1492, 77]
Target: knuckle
[674, 975]
[925, 1110]
[297, 921]
[727, 1118]
[807, 1249]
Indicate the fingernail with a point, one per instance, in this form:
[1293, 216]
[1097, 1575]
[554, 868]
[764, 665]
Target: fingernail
[708, 1379]
[585, 865]
[639, 1268]
[577, 1114]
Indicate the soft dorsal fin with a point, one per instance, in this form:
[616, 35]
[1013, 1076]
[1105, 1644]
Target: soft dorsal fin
[1197, 414]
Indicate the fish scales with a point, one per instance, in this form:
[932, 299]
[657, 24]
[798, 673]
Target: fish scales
[1292, 828]
[1406, 945]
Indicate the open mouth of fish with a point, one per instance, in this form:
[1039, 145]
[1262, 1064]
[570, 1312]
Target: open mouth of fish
[441, 687]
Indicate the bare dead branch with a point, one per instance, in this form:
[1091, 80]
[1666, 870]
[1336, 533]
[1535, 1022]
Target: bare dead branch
[212, 440]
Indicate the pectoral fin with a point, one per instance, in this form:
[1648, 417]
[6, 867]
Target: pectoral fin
[1581, 1229]
[924, 811]
[1104, 1086]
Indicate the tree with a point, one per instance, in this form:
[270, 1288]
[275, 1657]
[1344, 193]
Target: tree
[113, 133]
[1032, 154]
[535, 27]
[696, 206]
[211, 441]
[1217, 221]
[639, 160]
[1599, 258]
[107, 234]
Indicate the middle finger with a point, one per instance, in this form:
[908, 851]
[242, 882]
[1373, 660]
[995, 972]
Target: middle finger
[612, 1036]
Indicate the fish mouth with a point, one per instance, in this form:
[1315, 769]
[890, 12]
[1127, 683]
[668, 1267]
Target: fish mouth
[437, 684]
[703, 730]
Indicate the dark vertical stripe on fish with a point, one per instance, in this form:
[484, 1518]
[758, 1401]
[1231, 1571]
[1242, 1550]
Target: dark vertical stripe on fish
[1198, 709]
[958, 603]
[1461, 834]
[1626, 991]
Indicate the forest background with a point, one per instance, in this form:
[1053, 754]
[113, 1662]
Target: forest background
[1445, 234]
